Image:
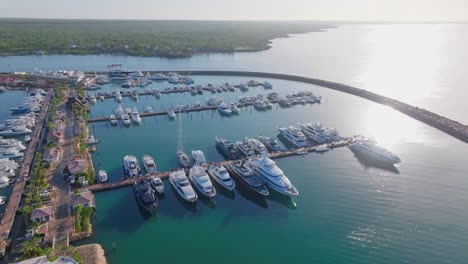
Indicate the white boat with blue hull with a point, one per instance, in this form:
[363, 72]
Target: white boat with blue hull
[221, 176]
[201, 181]
[272, 175]
[181, 184]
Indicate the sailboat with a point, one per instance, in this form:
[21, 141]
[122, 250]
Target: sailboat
[182, 157]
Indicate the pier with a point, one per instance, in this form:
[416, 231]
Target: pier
[164, 175]
[449, 126]
[18, 188]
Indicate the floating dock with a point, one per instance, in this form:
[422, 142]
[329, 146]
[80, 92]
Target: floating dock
[163, 175]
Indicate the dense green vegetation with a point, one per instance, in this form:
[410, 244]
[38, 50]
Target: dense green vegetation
[141, 38]
[83, 218]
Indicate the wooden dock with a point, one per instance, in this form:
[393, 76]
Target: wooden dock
[18, 188]
[163, 175]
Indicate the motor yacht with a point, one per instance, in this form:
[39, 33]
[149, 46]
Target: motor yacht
[149, 164]
[3, 200]
[171, 114]
[319, 133]
[234, 109]
[267, 85]
[321, 149]
[126, 120]
[272, 175]
[199, 157]
[157, 77]
[118, 97]
[224, 109]
[145, 196]
[113, 120]
[131, 166]
[369, 150]
[183, 159]
[294, 136]
[245, 148]
[11, 153]
[271, 143]
[20, 109]
[136, 116]
[12, 143]
[157, 185]
[16, 131]
[102, 174]
[257, 146]
[221, 176]
[243, 87]
[4, 181]
[92, 99]
[227, 148]
[119, 112]
[181, 184]
[247, 177]
[201, 181]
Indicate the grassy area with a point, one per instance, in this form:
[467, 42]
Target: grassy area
[83, 218]
[142, 38]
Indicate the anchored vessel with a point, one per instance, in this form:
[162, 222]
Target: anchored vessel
[319, 133]
[199, 157]
[201, 181]
[293, 135]
[145, 196]
[181, 184]
[271, 143]
[369, 150]
[245, 148]
[182, 158]
[149, 164]
[224, 109]
[258, 146]
[221, 176]
[131, 166]
[248, 178]
[136, 116]
[102, 176]
[157, 185]
[273, 176]
[227, 148]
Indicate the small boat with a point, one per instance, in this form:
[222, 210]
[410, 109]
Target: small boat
[119, 112]
[128, 111]
[157, 185]
[145, 196]
[149, 164]
[201, 181]
[126, 120]
[118, 97]
[199, 157]
[171, 114]
[3, 200]
[321, 149]
[179, 181]
[267, 85]
[92, 99]
[92, 140]
[102, 174]
[302, 152]
[221, 176]
[248, 178]
[224, 109]
[113, 120]
[136, 116]
[183, 159]
[234, 109]
[149, 109]
[131, 166]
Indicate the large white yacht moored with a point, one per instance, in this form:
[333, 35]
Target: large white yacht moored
[201, 181]
[149, 164]
[369, 150]
[102, 176]
[221, 176]
[181, 184]
[272, 175]
[131, 166]
[136, 116]
[319, 133]
[258, 146]
[199, 157]
[293, 135]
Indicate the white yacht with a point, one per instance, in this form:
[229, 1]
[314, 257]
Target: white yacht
[369, 149]
[16, 131]
[118, 96]
[245, 148]
[322, 148]
[273, 176]
[201, 181]
[136, 116]
[126, 120]
[258, 146]
[11, 153]
[270, 143]
[92, 99]
[294, 136]
[199, 157]
[234, 108]
[221, 176]
[149, 164]
[119, 112]
[113, 120]
[102, 176]
[182, 157]
[4, 181]
[267, 85]
[131, 166]
[157, 185]
[179, 181]
[318, 133]
[128, 111]
[224, 109]
[12, 143]
[171, 114]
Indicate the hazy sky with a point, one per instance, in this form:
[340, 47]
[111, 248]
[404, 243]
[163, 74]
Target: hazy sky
[395, 10]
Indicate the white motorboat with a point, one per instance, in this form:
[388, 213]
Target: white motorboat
[294, 136]
[224, 109]
[369, 150]
[201, 181]
[245, 148]
[136, 116]
[221, 176]
[3, 200]
[16, 131]
[157, 185]
[12, 143]
[234, 109]
[119, 112]
[113, 120]
[171, 114]
[126, 120]
[181, 184]
[11, 153]
[102, 174]
[182, 157]
[271, 143]
[258, 146]
[267, 85]
[319, 133]
[149, 164]
[321, 149]
[273, 176]
[199, 157]
[118, 96]
[91, 140]
[92, 99]
[4, 181]
[131, 166]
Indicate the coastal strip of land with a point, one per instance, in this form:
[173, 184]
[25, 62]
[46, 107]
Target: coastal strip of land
[447, 125]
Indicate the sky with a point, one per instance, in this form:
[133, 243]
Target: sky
[332, 10]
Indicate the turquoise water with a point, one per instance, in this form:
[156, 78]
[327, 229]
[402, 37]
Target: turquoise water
[345, 213]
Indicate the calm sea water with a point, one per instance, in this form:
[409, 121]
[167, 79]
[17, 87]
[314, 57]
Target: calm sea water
[346, 212]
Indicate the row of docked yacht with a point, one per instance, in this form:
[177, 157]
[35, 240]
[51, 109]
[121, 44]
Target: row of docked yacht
[30, 104]
[131, 166]
[314, 131]
[247, 148]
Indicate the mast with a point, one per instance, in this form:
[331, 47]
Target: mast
[179, 144]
